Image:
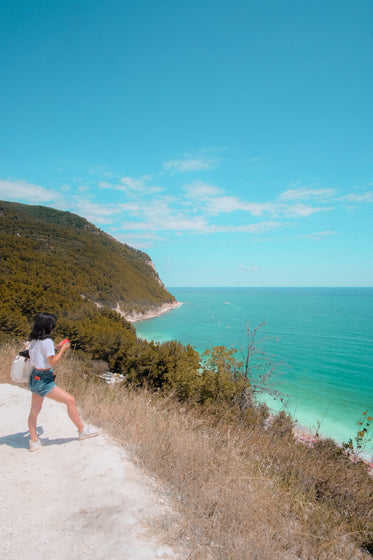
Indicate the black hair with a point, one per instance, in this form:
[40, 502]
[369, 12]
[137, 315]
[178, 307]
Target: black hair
[44, 323]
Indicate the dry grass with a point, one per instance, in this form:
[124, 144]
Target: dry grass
[243, 492]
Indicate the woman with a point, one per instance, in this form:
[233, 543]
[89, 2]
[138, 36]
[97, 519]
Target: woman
[41, 383]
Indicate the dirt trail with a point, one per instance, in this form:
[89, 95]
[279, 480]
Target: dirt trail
[73, 499]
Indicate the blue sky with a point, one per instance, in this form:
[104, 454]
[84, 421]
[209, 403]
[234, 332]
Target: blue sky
[230, 140]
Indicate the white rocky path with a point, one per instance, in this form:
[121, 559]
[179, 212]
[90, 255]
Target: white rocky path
[73, 499]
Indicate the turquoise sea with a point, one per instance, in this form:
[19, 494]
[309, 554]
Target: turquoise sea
[322, 337]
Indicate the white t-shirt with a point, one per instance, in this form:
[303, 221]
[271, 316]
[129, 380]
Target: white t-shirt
[39, 351]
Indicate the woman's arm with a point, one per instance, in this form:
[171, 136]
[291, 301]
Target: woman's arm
[52, 360]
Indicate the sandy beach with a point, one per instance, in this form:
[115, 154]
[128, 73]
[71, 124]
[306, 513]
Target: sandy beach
[74, 499]
[156, 312]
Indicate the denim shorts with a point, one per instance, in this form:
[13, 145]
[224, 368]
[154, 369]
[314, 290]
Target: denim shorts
[44, 385]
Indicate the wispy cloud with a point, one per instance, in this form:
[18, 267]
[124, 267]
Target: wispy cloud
[184, 165]
[203, 208]
[168, 213]
[81, 189]
[143, 213]
[319, 235]
[216, 203]
[166, 220]
[101, 171]
[260, 227]
[303, 210]
[104, 185]
[229, 204]
[203, 160]
[28, 192]
[93, 212]
[358, 198]
[134, 208]
[201, 191]
[131, 185]
[249, 268]
[194, 207]
[306, 193]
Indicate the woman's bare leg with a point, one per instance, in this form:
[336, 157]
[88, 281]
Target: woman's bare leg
[61, 396]
[36, 404]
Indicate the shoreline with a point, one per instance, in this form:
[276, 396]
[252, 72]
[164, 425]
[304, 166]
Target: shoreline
[304, 435]
[308, 435]
[152, 313]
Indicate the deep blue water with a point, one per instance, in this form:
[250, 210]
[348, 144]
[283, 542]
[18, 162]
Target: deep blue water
[322, 336]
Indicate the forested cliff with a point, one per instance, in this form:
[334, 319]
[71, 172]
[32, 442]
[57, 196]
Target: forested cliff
[59, 262]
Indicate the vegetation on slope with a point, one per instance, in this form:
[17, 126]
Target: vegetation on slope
[244, 488]
[58, 262]
[49, 260]
[53, 256]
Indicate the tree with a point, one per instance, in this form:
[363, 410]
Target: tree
[221, 377]
[257, 369]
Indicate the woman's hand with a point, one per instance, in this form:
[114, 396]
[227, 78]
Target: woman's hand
[61, 347]
[63, 343]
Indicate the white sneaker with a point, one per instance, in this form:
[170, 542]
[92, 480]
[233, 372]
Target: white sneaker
[34, 445]
[88, 432]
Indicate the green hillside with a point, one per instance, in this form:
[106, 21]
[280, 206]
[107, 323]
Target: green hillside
[57, 261]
